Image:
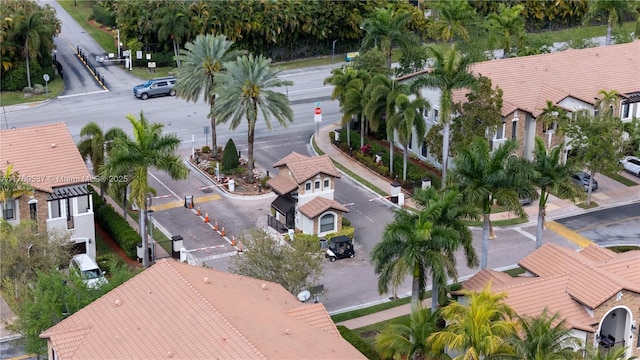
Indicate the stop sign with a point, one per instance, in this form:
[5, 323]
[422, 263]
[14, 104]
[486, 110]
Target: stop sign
[318, 111]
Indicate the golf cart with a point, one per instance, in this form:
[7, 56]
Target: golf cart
[340, 247]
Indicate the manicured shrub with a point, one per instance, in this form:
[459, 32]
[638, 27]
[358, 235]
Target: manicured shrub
[206, 149]
[358, 342]
[116, 226]
[230, 158]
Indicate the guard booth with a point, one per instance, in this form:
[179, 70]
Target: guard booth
[188, 202]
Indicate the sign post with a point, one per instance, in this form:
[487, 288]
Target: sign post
[317, 118]
[46, 84]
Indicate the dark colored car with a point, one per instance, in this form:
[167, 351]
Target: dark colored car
[155, 87]
[582, 178]
[340, 247]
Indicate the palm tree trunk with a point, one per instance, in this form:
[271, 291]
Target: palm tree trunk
[435, 294]
[486, 225]
[28, 70]
[445, 151]
[391, 155]
[214, 135]
[591, 173]
[540, 225]
[250, 138]
[607, 40]
[415, 293]
[349, 135]
[143, 234]
[361, 119]
[404, 163]
[124, 203]
[175, 51]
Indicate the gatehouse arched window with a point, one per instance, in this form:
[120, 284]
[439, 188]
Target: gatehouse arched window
[327, 223]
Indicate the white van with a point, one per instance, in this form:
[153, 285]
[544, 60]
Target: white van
[89, 270]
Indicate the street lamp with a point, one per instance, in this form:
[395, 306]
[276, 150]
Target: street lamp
[333, 52]
[375, 41]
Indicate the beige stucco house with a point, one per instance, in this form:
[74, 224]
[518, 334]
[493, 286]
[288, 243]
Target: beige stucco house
[595, 289]
[570, 79]
[173, 310]
[47, 158]
[305, 187]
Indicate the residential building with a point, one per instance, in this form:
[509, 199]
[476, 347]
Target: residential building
[595, 289]
[570, 79]
[47, 158]
[173, 310]
[305, 187]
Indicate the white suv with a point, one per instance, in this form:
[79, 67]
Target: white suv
[631, 164]
[88, 269]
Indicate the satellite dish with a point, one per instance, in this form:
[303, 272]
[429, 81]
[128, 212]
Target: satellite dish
[304, 295]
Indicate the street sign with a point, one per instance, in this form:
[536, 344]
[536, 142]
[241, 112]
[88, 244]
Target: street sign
[46, 77]
[317, 115]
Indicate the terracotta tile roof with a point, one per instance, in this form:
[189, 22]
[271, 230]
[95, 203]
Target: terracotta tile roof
[178, 311]
[282, 184]
[564, 282]
[303, 168]
[529, 81]
[44, 154]
[317, 206]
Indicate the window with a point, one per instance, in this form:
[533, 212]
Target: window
[33, 214]
[625, 111]
[435, 115]
[326, 183]
[423, 150]
[327, 223]
[317, 187]
[54, 208]
[514, 128]
[307, 186]
[410, 142]
[9, 210]
[83, 204]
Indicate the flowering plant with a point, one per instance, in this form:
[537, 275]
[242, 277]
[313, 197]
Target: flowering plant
[365, 149]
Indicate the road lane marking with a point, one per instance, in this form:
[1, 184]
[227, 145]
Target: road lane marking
[518, 229]
[165, 186]
[569, 234]
[180, 203]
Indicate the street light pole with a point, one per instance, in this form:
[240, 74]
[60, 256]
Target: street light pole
[333, 52]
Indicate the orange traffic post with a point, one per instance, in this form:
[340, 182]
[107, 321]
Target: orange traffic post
[215, 225]
[206, 217]
[222, 231]
[233, 241]
[198, 211]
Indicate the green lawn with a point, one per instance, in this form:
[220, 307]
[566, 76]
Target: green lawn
[623, 180]
[101, 247]
[55, 88]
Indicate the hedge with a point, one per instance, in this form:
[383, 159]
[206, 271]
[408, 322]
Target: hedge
[116, 226]
[358, 342]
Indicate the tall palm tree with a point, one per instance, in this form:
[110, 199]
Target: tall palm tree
[608, 102]
[616, 353]
[200, 61]
[246, 89]
[553, 114]
[149, 148]
[551, 175]
[478, 330]
[484, 176]
[613, 9]
[94, 144]
[406, 119]
[449, 72]
[545, 337]
[452, 18]
[354, 101]
[12, 186]
[173, 24]
[446, 208]
[387, 28]
[340, 79]
[381, 94]
[508, 25]
[395, 339]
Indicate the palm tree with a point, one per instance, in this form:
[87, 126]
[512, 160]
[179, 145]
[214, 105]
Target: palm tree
[200, 61]
[478, 330]
[614, 11]
[245, 90]
[551, 175]
[12, 186]
[484, 176]
[545, 337]
[450, 72]
[406, 119]
[173, 24]
[507, 24]
[388, 29]
[447, 209]
[340, 79]
[94, 143]
[381, 94]
[616, 353]
[354, 101]
[149, 148]
[452, 17]
[395, 339]
[553, 114]
[609, 101]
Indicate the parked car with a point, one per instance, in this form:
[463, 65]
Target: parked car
[631, 164]
[88, 269]
[582, 178]
[155, 87]
[340, 247]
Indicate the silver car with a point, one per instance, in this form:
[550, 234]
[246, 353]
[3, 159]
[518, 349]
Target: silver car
[155, 87]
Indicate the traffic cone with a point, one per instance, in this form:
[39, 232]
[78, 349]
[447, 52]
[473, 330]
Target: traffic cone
[206, 217]
[215, 225]
[190, 205]
[198, 212]
[233, 241]
[222, 231]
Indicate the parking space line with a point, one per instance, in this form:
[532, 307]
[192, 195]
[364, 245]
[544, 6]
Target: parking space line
[569, 234]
